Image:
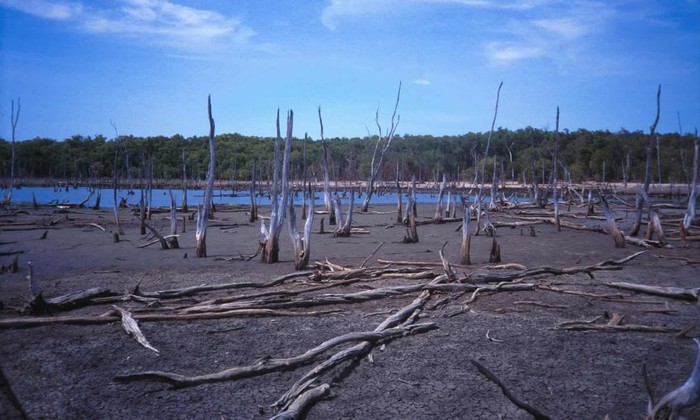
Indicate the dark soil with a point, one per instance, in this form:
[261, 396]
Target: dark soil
[67, 371]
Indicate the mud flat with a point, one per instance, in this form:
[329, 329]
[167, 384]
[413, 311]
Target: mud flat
[526, 336]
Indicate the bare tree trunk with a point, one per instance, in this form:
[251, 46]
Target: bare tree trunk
[658, 159]
[465, 258]
[303, 176]
[327, 200]
[344, 229]
[14, 118]
[399, 210]
[494, 185]
[647, 168]
[253, 205]
[691, 214]
[184, 182]
[174, 243]
[555, 159]
[302, 246]
[205, 208]
[270, 252]
[488, 145]
[384, 141]
[439, 212]
[412, 236]
[617, 235]
[120, 231]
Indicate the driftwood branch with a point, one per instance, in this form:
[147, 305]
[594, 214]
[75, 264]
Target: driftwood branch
[518, 403]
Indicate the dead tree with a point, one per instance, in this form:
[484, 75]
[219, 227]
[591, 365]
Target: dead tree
[494, 184]
[120, 231]
[382, 145]
[344, 229]
[302, 246]
[253, 204]
[555, 159]
[488, 144]
[327, 200]
[174, 243]
[14, 118]
[399, 210]
[690, 213]
[671, 405]
[205, 208]
[647, 168]
[412, 230]
[465, 258]
[617, 235]
[184, 182]
[303, 176]
[270, 244]
[439, 211]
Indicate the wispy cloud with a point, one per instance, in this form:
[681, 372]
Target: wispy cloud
[505, 53]
[424, 82]
[555, 33]
[161, 22]
[337, 10]
[45, 9]
[525, 30]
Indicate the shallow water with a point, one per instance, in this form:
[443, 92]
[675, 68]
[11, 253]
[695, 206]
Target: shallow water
[161, 197]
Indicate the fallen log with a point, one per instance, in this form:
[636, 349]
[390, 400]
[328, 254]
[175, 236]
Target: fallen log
[612, 327]
[112, 316]
[589, 269]
[356, 351]
[301, 405]
[273, 365]
[665, 291]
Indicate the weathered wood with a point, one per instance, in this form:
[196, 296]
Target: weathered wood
[346, 229]
[301, 405]
[132, 328]
[111, 316]
[687, 395]
[302, 246]
[385, 141]
[270, 252]
[465, 251]
[174, 243]
[272, 365]
[665, 291]
[634, 231]
[439, 211]
[205, 208]
[617, 235]
[495, 254]
[359, 350]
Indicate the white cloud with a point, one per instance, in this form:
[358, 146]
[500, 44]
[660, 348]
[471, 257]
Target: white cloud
[168, 23]
[338, 9]
[505, 53]
[46, 9]
[161, 22]
[570, 28]
[424, 82]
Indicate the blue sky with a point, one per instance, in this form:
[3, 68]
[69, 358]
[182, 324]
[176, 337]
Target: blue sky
[148, 65]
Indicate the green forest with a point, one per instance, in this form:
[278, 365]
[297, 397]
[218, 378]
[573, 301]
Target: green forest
[518, 155]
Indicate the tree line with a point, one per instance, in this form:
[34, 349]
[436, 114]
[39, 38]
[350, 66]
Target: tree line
[519, 155]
